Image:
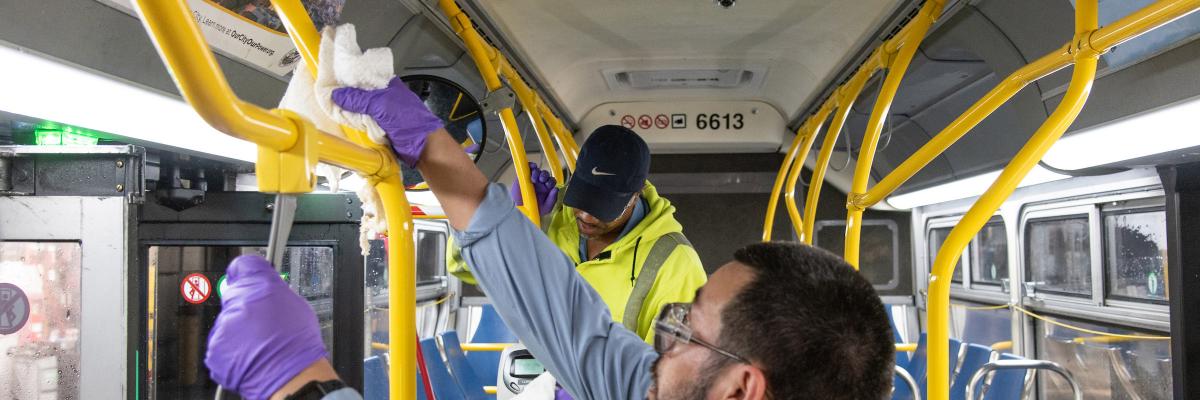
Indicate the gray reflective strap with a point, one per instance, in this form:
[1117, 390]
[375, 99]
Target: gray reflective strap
[645, 279]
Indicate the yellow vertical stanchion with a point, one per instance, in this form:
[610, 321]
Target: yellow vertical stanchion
[769, 222]
[897, 66]
[401, 317]
[809, 132]
[478, 50]
[842, 103]
[566, 142]
[939, 291]
[529, 103]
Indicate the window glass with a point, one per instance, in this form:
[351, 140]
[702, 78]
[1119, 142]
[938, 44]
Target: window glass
[431, 256]
[877, 249]
[991, 254]
[1059, 255]
[1135, 247]
[179, 332]
[980, 323]
[936, 237]
[1129, 369]
[39, 320]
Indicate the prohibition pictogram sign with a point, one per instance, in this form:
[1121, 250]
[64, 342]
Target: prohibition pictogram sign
[645, 122]
[628, 121]
[195, 288]
[14, 308]
[661, 121]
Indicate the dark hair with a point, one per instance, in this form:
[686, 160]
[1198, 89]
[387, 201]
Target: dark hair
[812, 323]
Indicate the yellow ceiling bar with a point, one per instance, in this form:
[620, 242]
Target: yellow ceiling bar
[479, 51]
[814, 127]
[529, 102]
[802, 134]
[401, 320]
[1085, 58]
[911, 36]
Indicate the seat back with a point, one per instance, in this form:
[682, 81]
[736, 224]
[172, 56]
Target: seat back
[444, 386]
[916, 368]
[956, 348]
[973, 358]
[1007, 384]
[468, 381]
[375, 380]
[491, 330]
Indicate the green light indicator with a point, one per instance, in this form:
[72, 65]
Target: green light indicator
[50, 134]
[221, 283]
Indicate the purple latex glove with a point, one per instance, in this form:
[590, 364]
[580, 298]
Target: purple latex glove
[544, 189]
[401, 114]
[561, 394]
[265, 333]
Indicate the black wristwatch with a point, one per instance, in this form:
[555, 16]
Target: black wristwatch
[315, 390]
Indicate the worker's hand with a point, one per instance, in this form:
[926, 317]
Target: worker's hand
[544, 189]
[265, 333]
[398, 111]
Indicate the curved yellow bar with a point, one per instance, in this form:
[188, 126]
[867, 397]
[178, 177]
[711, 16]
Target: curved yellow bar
[529, 102]
[481, 52]
[402, 325]
[906, 347]
[491, 347]
[811, 130]
[1002, 346]
[986, 206]
[898, 65]
[773, 202]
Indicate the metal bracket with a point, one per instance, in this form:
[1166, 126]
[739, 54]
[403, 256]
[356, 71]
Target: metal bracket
[498, 99]
[283, 214]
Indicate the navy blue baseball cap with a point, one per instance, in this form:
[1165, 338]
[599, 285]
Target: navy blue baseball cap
[612, 166]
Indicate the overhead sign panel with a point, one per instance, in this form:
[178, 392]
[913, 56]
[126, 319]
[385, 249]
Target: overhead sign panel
[249, 30]
[696, 127]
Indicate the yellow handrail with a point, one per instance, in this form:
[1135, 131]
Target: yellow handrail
[479, 51]
[811, 130]
[289, 147]
[1085, 58]
[915, 32]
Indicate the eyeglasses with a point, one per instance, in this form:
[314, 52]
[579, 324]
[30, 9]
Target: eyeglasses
[671, 328]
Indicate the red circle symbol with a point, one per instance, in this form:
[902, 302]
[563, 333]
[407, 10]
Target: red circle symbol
[645, 122]
[661, 121]
[628, 121]
[195, 288]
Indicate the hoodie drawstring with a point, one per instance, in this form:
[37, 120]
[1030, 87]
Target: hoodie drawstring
[633, 266]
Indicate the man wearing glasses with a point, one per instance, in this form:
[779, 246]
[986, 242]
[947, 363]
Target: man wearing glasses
[620, 234]
[781, 321]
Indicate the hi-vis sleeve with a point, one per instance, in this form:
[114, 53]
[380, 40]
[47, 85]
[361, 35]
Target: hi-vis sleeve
[554, 312]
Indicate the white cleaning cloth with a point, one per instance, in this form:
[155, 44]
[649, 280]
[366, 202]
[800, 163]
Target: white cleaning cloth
[343, 63]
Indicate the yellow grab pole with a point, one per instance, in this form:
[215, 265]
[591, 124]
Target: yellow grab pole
[843, 101]
[809, 132]
[565, 141]
[898, 65]
[943, 268]
[1126, 28]
[529, 102]
[479, 51]
[402, 322]
[773, 202]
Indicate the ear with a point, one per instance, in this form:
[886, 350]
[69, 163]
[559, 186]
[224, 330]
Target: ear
[741, 382]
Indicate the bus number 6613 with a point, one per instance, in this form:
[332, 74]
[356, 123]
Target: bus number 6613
[719, 121]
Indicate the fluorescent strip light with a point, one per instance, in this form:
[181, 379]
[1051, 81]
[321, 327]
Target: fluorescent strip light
[1156, 131]
[40, 88]
[964, 188]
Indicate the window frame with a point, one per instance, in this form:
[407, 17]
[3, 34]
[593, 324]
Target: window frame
[1135, 206]
[930, 256]
[975, 252]
[1089, 214]
[891, 225]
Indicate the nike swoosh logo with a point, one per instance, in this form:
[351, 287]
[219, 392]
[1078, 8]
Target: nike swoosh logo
[598, 173]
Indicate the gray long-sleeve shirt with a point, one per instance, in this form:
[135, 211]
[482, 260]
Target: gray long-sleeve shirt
[557, 315]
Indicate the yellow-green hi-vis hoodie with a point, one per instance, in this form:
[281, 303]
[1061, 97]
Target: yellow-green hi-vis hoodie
[657, 240]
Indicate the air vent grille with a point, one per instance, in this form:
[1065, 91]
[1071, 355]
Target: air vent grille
[723, 78]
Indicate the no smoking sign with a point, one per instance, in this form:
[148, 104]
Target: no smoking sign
[195, 288]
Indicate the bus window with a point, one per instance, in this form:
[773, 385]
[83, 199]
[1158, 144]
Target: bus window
[990, 254]
[1135, 244]
[1059, 255]
[936, 237]
[431, 265]
[980, 323]
[1129, 369]
[39, 332]
[879, 260]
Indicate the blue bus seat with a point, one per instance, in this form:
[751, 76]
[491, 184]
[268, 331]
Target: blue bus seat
[973, 358]
[1007, 384]
[443, 385]
[918, 364]
[956, 352]
[491, 330]
[469, 382]
[375, 380]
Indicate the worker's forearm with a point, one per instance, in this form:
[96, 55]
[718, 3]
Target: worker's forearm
[453, 178]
